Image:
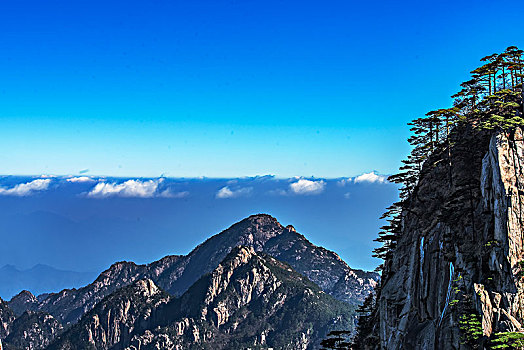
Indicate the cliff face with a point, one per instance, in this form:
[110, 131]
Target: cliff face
[460, 250]
[30, 330]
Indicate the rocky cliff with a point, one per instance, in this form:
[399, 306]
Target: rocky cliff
[175, 274]
[7, 317]
[454, 278]
[113, 320]
[249, 300]
[32, 331]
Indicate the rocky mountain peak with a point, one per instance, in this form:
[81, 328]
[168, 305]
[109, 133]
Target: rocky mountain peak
[290, 228]
[255, 230]
[111, 322]
[25, 295]
[25, 300]
[241, 304]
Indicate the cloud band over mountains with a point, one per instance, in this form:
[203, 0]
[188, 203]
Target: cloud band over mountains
[26, 189]
[175, 188]
[129, 188]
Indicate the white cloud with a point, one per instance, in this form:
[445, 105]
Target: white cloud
[80, 179]
[347, 195]
[371, 177]
[169, 194]
[130, 188]
[344, 182]
[307, 187]
[26, 189]
[134, 188]
[226, 192]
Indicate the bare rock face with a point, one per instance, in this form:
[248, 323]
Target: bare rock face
[175, 274]
[251, 300]
[6, 319]
[111, 322]
[459, 256]
[33, 331]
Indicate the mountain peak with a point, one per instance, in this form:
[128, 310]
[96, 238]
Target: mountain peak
[9, 267]
[24, 294]
[23, 301]
[291, 228]
[261, 216]
[259, 220]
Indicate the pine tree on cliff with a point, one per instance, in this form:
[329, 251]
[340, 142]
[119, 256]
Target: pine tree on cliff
[492, 99]
[514, 58]
[367, 322]
[484, 101]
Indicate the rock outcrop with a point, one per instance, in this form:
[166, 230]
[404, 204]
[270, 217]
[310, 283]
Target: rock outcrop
[459, 257]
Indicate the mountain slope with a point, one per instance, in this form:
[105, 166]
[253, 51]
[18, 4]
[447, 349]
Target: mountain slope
[249, 300]
[175, 274]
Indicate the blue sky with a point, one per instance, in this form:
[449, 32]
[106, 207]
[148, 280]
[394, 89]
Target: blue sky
[232, 88]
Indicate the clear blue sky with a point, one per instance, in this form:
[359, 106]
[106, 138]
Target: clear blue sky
[232, 88]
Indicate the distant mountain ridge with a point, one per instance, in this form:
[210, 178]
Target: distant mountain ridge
[175, 273]
[39, 279]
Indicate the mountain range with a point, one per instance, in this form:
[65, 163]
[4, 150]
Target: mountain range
[255, 283]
